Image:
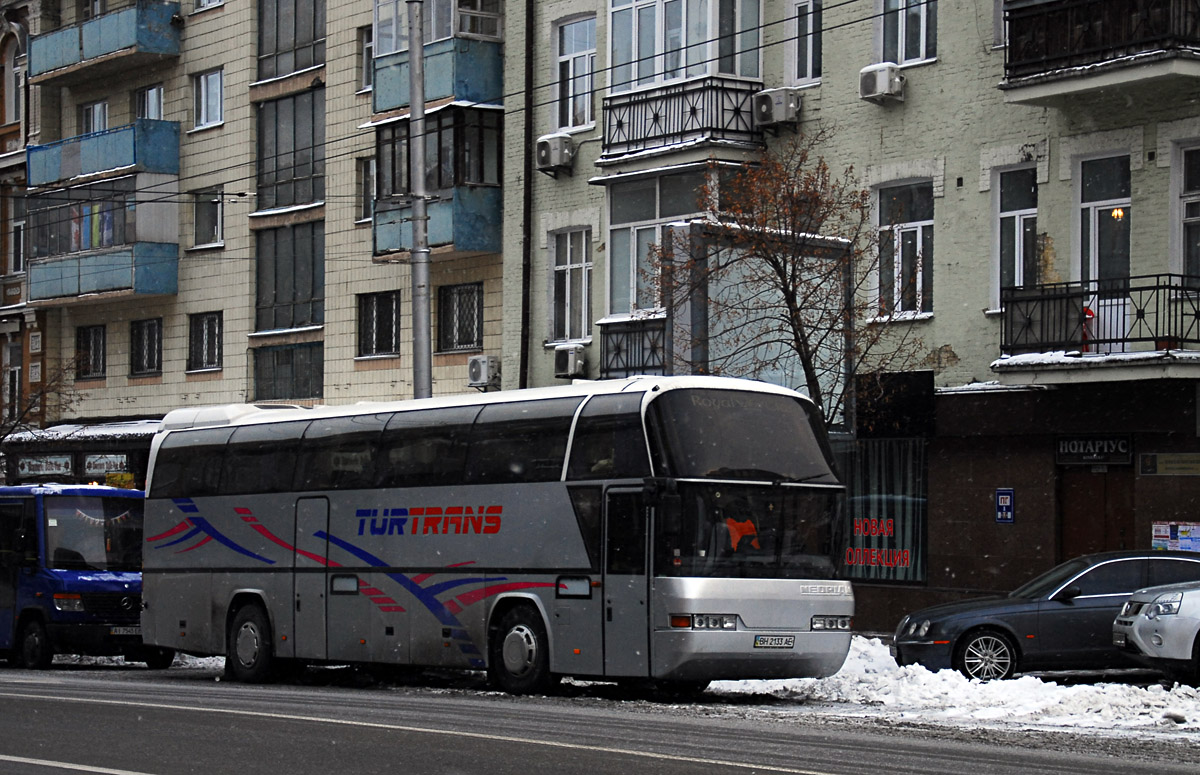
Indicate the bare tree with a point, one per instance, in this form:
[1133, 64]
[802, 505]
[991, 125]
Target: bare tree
[778, 280]
[54, 395]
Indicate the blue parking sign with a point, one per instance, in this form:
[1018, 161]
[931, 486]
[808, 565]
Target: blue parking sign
[1005, 505]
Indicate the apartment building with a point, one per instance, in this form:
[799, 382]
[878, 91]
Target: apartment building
[15, 323]
[1031, 165]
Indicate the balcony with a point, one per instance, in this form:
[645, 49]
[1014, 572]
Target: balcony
[455, 68]
[146, 145]
[697, 111]
[467, 220]
[139, 269]
[1058, 48]
[115, 42]
[632, 347]
[1076, 324]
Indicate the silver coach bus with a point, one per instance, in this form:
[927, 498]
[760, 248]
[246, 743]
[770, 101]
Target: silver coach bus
[675, 529]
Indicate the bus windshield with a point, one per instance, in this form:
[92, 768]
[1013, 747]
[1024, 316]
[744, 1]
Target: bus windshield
[732, 434]
[85, 532]
[747, 532]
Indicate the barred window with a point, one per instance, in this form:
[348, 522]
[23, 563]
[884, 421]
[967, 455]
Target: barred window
[289, 372]
[204, 341]
[460, 317]
[89, 352]
[379, 323]
[145, 347]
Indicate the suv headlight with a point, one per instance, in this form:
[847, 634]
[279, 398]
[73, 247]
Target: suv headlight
[1165, 605]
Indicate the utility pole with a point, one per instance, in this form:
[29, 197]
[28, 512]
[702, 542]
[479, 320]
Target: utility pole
[422, 368]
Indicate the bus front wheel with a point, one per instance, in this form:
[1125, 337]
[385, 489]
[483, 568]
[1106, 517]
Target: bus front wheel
[35, 650]
[249, 654]
[519, 654]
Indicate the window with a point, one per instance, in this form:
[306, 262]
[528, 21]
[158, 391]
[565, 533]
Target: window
[638, 213]
[81, 218]
[909, 30]
[290, 287]
[204, 341]
[576, 66]
[906, 249]
[572, 285]
[145, 347]
[460, 317]
[291, 36]
[12, 383]
[202, 4]
[365, 170]
[13, 78]
[806, 59]
[1191, 212]
[1105, 217]
[366, 58]
[209, 88]
[391, 24]
[93, 117]
[291, 150]
[209, 214]
[479, 17]
[16, 230]
[520, 441]
[663, 40]
[462, 147]
[148, 102]
[294, 371]
[89, 352]
[1018, 228]
[379, 323]
[90, 9]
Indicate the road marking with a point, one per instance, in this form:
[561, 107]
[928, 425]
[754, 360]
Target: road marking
[67, 766]
[416, 730]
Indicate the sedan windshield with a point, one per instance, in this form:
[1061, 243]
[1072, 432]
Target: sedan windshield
[1051, 580]
[93, 533]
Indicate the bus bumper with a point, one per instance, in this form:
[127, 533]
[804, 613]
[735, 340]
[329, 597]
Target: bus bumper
[683, 655]
[98, 640]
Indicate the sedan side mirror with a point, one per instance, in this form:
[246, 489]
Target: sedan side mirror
[1068, 594]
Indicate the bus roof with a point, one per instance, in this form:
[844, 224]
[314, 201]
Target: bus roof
[247, 414]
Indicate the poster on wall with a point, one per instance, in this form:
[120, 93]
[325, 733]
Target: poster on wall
[1184, 536]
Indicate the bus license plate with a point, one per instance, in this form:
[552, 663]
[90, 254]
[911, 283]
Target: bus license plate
[774, 641]
[125, 631]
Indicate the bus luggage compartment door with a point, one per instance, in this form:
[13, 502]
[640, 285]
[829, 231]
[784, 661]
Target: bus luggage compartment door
[312, 518]
[626, 585]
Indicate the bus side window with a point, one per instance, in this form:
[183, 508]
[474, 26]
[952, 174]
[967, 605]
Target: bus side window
[426, 447]
[10, 534]
[609, 442]
[339, 453]
[523, 441]
[261, 458]
[189, 463]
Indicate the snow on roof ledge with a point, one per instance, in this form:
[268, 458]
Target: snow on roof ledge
[1074, 359]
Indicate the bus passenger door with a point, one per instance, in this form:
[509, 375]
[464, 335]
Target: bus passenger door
[10, 562]
[312, 516]
[626, 585]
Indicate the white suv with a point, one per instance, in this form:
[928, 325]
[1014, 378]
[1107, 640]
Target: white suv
[1160, 627]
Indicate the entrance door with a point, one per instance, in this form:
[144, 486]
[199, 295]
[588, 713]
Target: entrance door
[10, 562]
[626, 585]
[1097, 509]
[312, 517]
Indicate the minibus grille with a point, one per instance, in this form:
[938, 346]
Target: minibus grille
[115, 606]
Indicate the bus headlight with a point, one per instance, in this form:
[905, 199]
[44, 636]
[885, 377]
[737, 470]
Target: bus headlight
[831, 623]
[65, 601]
[705, 621]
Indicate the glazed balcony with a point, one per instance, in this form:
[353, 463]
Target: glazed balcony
[1103, 317]
[1058, 48]
[146, 145]
[143, 34]
[455, 68]
[695, 111]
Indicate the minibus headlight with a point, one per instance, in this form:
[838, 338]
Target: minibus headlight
[65, 601]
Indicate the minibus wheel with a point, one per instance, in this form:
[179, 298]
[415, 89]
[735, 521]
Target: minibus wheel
[35, 652]
[519, 653]
[249, 654]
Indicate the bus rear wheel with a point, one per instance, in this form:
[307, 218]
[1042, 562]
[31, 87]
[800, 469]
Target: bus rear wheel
[250, 651]
[35, 653]
[158, 658]
[519, 654]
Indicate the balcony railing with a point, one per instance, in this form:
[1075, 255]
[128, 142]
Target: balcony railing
[146, 145]
[633, 347]
[1049, 35]
[1152, 312]
[467, 218]
[701, 109]
[142, 34]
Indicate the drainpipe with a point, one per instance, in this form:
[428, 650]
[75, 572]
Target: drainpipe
[527, 197]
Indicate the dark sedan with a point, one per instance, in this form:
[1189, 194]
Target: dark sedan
[1061, 620]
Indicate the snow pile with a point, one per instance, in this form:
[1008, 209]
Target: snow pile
[870, 684]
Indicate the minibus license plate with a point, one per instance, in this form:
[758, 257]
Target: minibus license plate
[774, 641]
[125, 631]
[1118, 639]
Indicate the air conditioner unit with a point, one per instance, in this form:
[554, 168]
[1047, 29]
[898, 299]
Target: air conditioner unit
[569, 361]
[555, 152]
[483, 371]
[881, 82]
[777, 106]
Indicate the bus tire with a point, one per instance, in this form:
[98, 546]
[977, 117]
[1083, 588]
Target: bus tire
[519, 653]
[158, 658]
[34, 649]
[250, 651]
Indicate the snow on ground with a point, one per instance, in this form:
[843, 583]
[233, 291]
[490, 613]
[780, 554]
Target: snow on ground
[871, 684]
